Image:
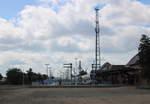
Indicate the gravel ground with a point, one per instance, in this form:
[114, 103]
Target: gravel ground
[120, 95]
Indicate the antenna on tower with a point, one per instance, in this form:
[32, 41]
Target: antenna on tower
[97, 44]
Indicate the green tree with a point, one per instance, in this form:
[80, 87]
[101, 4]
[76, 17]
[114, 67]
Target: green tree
[1, 76]
[39, 77]
[144, 55]
[44, 77]
[14, 76]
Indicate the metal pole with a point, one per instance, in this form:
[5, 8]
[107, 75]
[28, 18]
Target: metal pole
[71, 72]
[23, 77]
[47, 65]
[76, 59]
[69, 66]
[97, 44]
[50, 72]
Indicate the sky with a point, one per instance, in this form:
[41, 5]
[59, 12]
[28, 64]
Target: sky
[36, 32]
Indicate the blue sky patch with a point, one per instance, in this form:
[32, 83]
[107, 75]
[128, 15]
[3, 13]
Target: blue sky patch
[10, 8]
[145, 1]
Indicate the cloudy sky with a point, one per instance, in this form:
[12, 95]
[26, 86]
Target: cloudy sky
[35, 32]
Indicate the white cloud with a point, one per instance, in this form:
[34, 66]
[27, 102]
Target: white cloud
[62, 30]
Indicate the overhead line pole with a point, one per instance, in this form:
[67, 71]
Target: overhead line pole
[70, 67]
[47, 66]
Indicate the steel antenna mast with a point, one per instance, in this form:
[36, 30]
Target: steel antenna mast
[97, 46]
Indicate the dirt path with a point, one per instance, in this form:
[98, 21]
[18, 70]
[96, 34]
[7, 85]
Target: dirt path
[121, 95]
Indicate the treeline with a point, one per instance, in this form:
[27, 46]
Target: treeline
[1, 77]
[144, 55]
[15, 76]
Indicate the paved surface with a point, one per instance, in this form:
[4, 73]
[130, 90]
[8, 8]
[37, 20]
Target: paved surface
[120, 95]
